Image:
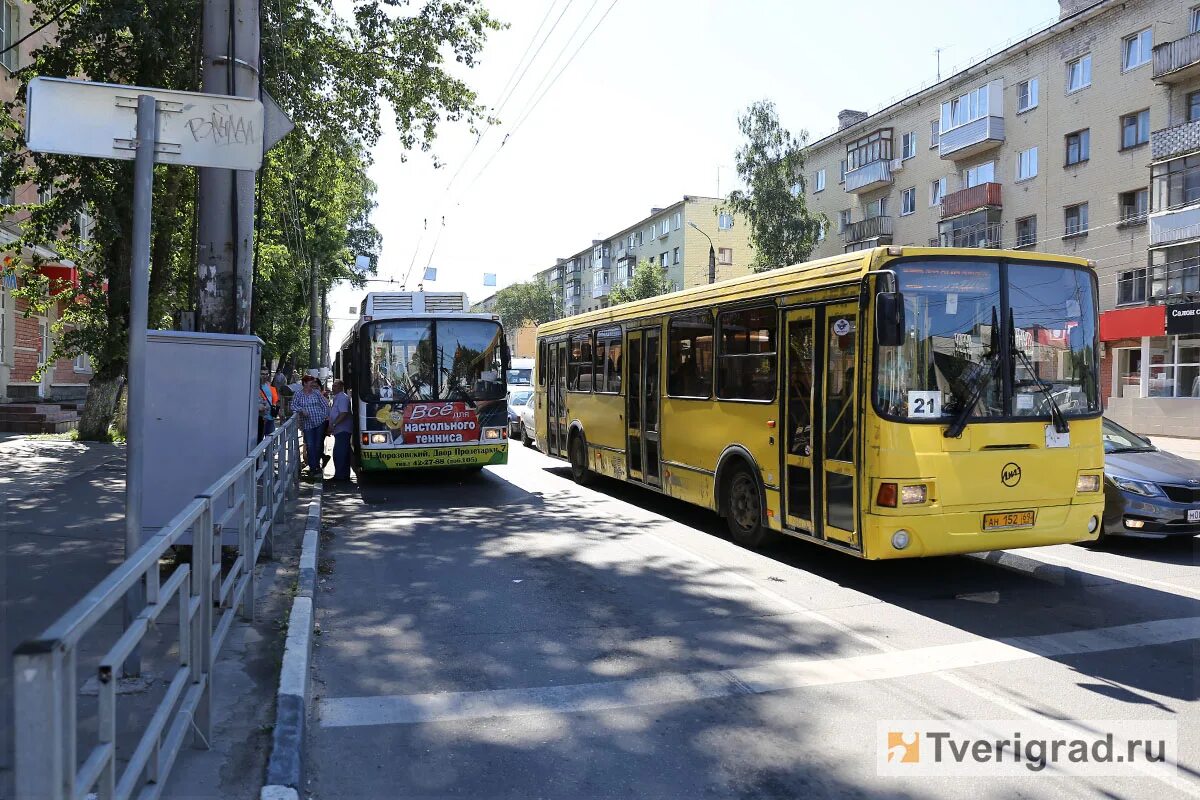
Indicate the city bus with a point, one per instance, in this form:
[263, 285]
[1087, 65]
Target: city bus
[888, 403]
[426, 379]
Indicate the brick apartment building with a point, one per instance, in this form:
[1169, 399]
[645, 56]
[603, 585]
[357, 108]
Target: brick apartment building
[1083, 138]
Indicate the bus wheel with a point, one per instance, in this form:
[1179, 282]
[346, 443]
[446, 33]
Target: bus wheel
[579, 462]
[743, 509]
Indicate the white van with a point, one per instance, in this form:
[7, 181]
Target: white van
[519, 375]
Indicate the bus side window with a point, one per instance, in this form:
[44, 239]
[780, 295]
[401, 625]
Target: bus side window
[541, 367]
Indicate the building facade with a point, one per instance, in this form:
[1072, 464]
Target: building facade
[1084, 139]
[676, 238]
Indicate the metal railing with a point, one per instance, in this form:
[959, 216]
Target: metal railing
[970, 199]
[46, 678]
[869, 228]
[1172, 56]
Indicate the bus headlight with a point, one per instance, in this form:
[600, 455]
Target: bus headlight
[914, 495]
[1087, 483]
[379, 438]
[493, 434]
[900, 539]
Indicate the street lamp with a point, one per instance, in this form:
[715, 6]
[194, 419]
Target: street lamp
[712, 253]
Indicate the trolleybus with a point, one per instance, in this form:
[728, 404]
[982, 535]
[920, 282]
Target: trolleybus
[888, 403]
[426, 379]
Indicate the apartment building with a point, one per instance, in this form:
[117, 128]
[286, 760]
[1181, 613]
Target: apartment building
[26, 340]
[1083, 138]
[677, 238]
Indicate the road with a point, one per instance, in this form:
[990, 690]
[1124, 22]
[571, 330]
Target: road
[514, 635]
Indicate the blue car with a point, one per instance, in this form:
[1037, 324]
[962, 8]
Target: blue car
[1148, 494]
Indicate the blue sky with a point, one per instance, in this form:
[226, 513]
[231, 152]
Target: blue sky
[645, 113]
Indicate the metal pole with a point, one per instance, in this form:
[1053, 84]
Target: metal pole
[139, 299]
[314, 320]
[324, 328]
[214, 217]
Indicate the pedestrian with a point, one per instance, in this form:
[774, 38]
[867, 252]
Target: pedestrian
[268, 404]
[314, 414]
[342, 426]
[297, 383]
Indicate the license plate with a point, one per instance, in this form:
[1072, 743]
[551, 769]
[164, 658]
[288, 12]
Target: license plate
[1194, 515]
[1008, 519]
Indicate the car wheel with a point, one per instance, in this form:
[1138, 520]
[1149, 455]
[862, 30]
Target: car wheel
[528, 438]
[743, 508]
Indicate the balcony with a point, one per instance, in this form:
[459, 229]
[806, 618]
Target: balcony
[868, 177]
[1178, 140]
[1177, 61]
[556, 274]
[984, 195]
[982, 234]
[1175, 226]
[867, 230]
[600, 286]
[977, 136]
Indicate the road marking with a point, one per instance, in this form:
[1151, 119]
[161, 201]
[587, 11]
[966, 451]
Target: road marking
[773, 676]
[1030, 560]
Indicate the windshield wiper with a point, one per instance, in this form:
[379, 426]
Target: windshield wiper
[978, 385]
[1056, 415]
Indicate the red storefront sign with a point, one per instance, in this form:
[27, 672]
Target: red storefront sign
[440, 423]
[1132, 323]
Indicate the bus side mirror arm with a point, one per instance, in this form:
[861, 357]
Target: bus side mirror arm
[505, 356]
[889, 319]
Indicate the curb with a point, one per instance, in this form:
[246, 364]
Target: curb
[285, 770]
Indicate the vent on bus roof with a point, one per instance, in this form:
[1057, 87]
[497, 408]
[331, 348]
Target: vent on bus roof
[446, 302]
[392, 302]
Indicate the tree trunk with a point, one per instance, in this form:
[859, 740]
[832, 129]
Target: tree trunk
[100, 406]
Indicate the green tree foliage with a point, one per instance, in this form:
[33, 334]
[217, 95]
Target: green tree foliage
[771, 165]
[649, 280]
[331, 75]
[528, 303]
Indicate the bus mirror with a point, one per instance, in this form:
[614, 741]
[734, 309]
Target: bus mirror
[889, 319]
[505, 356]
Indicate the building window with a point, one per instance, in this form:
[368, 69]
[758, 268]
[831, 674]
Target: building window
[1078, 146]
[675, 256]
[1194, 20]
[1131, 286]
[1134, 206]
[664, 228]
[1027, 231]
[725, 255]
[843, 220]
[980, 173]
[1174, 369]
[1179, 277]
[1075, 220]
[677, 221]
[1027, 95]
[662, 259]
[876, 208]
[83, 363]
[1027, 164]
[937, 190]
[908, 145]
[842, 171]
[44, 341]
[869, 149]
[934, 133]
[1135, 129]
[1176, 182]
[1079, 73]
[966, 108]
[977, 229]
[746, 360]
[45, 194]
[9, 20]
[819, 182]
[908, 201]
[820, 232]
[796, 189]
[1135, 49]
[1193, 106]
[725, 221]
[690, 348]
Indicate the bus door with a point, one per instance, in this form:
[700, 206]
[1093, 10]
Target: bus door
[800, 487]
[839, 423]
[642, 407]
[556, 396]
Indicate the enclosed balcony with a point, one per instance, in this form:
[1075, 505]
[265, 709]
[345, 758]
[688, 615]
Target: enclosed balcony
[868, 177]
[1177, 61]
[985, 195]
[600, 285]
[1178, 140]
[971, 139]
[868, 232]
[1175, 190]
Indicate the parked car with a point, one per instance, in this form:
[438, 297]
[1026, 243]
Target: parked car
[1147, 493]
[516, 401]
[528, 425]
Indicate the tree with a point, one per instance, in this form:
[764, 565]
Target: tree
[649, 280]
[771, 165]
[528, 303]
[331, 75]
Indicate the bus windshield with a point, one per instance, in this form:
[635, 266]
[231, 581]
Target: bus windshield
[1005, 355]
[425, 359]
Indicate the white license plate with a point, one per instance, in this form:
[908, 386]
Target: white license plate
[1194, 515]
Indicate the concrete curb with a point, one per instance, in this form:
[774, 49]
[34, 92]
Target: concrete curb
[285, 770]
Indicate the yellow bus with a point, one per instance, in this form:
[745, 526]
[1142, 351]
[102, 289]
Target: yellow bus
[888, 403]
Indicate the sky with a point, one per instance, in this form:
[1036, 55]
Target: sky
[644, 112]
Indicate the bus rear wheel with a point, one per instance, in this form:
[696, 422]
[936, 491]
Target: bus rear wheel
[743, 509]
[579, 464]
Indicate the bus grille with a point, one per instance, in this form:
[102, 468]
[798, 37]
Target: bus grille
[395, 302]
[445, 302]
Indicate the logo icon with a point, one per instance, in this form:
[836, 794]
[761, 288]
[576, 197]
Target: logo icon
[1010, 475]
[841, 327]
[903, 747]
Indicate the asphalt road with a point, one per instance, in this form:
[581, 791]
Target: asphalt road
[513, 635]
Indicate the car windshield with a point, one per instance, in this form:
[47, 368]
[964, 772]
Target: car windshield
[962, 336]
[1120, 440]
[446, 359]
[520, 398]
[520, 376]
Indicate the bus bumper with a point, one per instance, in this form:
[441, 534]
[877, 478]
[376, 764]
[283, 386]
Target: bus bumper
[954, 533]
[459, 456]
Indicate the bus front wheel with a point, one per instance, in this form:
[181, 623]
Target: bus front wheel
[579, 461]
[743, 509]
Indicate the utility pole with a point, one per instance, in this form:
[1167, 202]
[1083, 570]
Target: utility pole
[324, 327]
[225, 208]
[314, 319]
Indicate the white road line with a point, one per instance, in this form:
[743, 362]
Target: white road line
[340, 712]
[1037, 555]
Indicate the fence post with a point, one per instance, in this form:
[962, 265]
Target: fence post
[39, 686]
[201, 650]
[249, 535]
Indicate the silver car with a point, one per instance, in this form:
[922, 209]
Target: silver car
[1148, 494]
[517, 401]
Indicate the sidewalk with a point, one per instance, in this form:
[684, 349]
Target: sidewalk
[1188, 448]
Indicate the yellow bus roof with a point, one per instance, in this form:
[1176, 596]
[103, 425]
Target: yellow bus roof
[807, 275]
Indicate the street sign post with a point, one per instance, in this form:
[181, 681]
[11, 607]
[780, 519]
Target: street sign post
[147, 126]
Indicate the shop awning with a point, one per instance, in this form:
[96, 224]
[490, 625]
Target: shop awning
[1132, 323]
